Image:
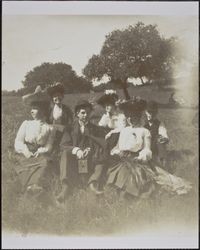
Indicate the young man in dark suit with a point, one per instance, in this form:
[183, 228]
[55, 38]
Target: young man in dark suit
[83, 153]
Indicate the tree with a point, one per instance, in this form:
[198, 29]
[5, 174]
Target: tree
[9, 93]
[48, 73]
[138, 51]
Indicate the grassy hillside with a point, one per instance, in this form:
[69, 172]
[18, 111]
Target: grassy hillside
[84, 214]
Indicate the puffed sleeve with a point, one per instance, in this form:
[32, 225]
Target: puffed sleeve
[20, 146]
[146, 153]
[49, 144]
[104, 121]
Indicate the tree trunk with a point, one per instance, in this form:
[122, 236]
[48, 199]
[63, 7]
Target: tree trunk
[123, 85]
[126, 94]
[125, 89]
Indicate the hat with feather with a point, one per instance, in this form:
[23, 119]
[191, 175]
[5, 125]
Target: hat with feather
[56, 88]
[110, 97]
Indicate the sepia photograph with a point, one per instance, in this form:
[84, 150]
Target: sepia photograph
[100, 117]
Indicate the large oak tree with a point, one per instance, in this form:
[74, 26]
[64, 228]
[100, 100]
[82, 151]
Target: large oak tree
[138, 51]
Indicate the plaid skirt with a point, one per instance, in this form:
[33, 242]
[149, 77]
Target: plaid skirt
[131, 176]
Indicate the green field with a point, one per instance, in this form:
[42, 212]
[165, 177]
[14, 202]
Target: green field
[84, 214]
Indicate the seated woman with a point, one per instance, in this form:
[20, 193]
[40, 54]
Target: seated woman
[134, 174]
[33, 145]
[113, 120]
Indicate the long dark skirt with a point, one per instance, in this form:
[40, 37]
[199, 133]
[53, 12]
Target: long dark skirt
[137, 178]
[130, 176]
[34, 171]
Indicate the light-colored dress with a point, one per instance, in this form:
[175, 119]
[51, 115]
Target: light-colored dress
[32, 137]
[136, 177]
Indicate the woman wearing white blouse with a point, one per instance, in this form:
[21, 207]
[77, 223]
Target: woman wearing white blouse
[33, 144]
[134, 173]
[112, 120]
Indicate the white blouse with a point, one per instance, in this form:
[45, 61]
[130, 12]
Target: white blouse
[36, 132]
[116, 122]
[57, 112]
[134, 140]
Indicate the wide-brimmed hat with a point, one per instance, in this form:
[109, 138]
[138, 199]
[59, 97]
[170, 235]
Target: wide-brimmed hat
[133, 106]
[152, 107]
[39, 96]
[109, 97]
[56, 88]
[82, 104]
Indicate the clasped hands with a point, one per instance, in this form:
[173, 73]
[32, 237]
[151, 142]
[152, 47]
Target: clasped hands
[81, 154]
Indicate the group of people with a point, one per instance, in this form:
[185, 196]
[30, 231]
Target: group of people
[121, 151]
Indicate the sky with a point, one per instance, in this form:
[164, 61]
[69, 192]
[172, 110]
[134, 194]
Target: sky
[30, 40]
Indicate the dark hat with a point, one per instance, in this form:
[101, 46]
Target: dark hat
[82, 104]
[110, 97]
[152, 107]
[39, 96]
[56, 88]
[133, 106]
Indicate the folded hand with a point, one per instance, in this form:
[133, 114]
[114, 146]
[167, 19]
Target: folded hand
[79, 154]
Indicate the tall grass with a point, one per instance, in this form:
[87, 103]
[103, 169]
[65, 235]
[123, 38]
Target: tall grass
[85, 214]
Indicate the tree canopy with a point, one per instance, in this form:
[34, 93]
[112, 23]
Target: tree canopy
[48, 73]
[137, 51]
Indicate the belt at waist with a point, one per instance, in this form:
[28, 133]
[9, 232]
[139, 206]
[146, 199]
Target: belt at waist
[33, 147]
[129, 154]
